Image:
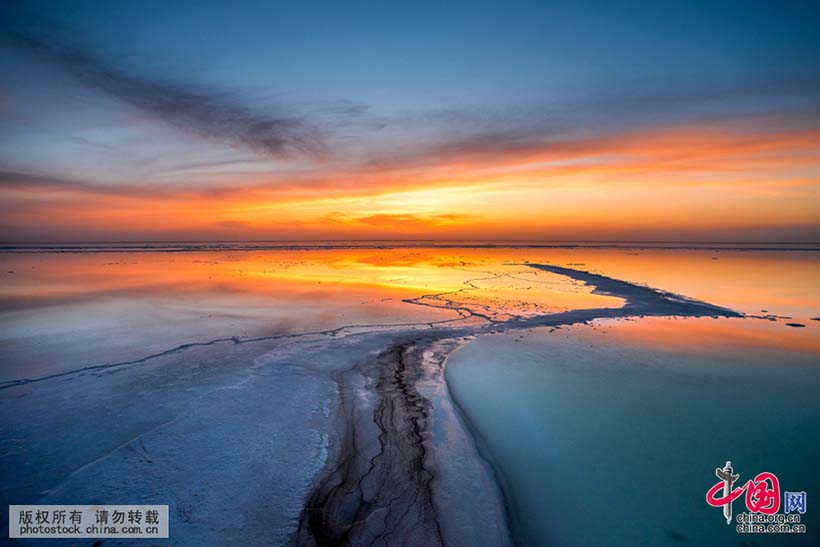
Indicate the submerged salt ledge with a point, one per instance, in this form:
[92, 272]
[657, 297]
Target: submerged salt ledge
[605, 433]
[245, 454]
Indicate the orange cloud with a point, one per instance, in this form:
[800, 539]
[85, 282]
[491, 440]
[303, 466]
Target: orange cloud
[696, 180]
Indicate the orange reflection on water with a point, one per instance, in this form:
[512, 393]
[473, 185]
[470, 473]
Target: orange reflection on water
[85, 308]
[780, 282]
[709, 336]
[475, 278]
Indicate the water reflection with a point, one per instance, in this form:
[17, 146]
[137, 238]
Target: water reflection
[65, 310]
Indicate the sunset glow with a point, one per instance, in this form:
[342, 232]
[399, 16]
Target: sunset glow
[642, 185]
[121, 153]
[409, 274]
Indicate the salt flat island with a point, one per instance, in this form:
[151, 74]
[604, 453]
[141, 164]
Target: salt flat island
[410, 395]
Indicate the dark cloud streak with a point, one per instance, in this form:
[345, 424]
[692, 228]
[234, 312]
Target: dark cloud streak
[195, 109]
[28, 182]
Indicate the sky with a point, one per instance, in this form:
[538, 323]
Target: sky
[593, 121]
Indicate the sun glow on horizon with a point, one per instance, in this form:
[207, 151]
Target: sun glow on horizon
[680, 182]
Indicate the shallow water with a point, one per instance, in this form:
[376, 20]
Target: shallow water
[615, 430]
[62, 311]
[175, 340]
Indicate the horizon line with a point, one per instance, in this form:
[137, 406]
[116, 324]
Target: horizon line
[408, 240]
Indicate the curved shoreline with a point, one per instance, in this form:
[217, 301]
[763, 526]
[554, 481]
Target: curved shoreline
[381, 421]
[332, 517]
[482, 450]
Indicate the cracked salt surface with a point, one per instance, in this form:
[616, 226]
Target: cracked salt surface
[244, 435]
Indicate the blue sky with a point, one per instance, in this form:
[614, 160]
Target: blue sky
[132, 93]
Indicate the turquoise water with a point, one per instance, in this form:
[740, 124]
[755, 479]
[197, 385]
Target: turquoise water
[607, 439]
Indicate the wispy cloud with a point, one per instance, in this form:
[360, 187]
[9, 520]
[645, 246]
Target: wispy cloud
[214, 114]
[37, 183]
[400, 221]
